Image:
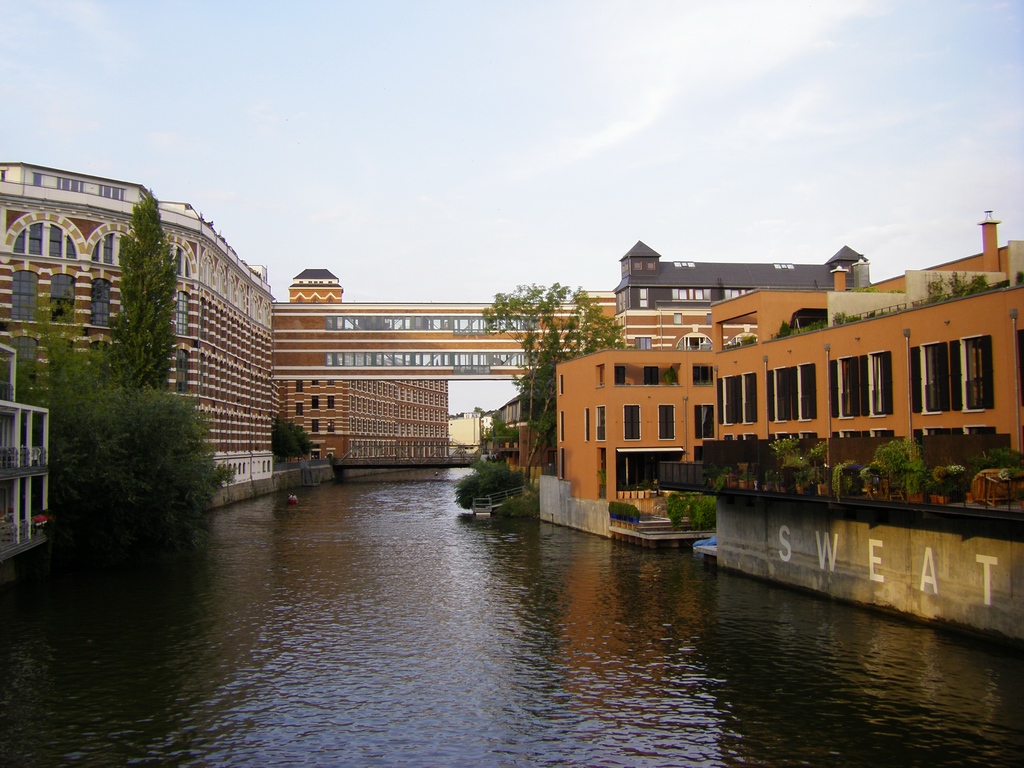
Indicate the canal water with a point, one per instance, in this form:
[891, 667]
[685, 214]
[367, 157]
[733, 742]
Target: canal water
[371, 625]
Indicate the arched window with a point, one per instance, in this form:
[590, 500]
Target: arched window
[181, 314]
[181, 371]
[694, 341]
[30, 241]
[104, 250]
[100, 302]
[24, 287]
[62, 298]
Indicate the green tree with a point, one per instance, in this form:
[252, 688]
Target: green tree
[131, 473]
[552, 325]
[142, 331]
[288, 440]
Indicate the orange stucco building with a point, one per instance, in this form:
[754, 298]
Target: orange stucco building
[907, 358]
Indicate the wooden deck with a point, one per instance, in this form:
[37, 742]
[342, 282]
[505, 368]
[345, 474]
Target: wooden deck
[654, 534]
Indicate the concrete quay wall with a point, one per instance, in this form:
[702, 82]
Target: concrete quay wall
[559, 507]
[281, 481]
[963, 571]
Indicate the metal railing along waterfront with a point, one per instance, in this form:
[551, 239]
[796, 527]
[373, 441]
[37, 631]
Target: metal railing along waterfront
[488, 503]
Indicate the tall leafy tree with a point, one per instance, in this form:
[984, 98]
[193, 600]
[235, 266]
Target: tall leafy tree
[552, 325]
[142, 331]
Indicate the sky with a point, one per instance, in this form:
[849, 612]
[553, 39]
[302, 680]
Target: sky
[448, 151]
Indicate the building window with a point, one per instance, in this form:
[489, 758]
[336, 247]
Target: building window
[737, 399]
[849, 386]
[330, 401]
[600, 416]
[643, 342]
[62, 298]
[314, 402]
[620, 375]
[935, 377]
[314, 425]
[704, 421]
[298, 408]
[330, 426]
[881, 383]
[60, 243]
[691, 294]
[181, 371]
[666, 422]
[24, 288]
[561, 426]
[100, 307]
[26, 347]
[808, 392]
[561, 384]
[104, 250]
[703, 376]
[642, 298]
[298, 386]
[34, 236]
[651, 375]
[114, 193]
[978, 374]
[181, 314]
[631, 422]
[586, 425]
[70, 185]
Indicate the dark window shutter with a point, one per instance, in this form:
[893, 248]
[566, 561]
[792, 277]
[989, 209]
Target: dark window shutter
[988, 395]
[915, 378]
[721, 402]
[956, 377]
[809, 393]
[750, 398]
[865, 387]
[793, 374]
[1020, 360]
[770, 386]
[943, 376]
[886, 361]
[833, 387]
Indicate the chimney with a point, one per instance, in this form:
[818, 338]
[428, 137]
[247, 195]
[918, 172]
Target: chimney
[839, 279]
[989, 243]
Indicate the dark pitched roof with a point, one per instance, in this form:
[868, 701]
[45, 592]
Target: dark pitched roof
[641, 249]
[315, 274]
[846, 254]
[722, 274]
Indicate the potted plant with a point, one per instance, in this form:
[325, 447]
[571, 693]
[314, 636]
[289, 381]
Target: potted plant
[670, 376]
[902, 472]
[771, 480]
[945, 482]
[816, 458]
[841, 481]
[602, 483]
[787, 453]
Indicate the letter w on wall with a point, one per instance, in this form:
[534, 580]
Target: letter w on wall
[827, 549]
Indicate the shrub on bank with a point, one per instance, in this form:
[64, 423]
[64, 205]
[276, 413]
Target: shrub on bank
[488, 478]
[527, 505]
[700, 508]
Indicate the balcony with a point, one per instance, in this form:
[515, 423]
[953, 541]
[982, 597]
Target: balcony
[24, 460]
[847, 474]
[16, 538]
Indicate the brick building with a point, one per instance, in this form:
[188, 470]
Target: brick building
[59, 250]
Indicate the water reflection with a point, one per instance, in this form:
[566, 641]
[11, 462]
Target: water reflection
[370, 625]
